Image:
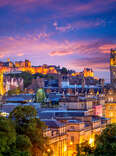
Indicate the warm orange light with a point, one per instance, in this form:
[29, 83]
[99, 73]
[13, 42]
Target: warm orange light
[71, 143]
[48, 150]
[65, 148]
[91, 142]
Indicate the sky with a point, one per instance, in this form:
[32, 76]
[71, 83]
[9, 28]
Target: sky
[71, 33]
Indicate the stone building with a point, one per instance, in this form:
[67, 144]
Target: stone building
[110, 106]
[11, 83]
[70, 130]
[113, 68]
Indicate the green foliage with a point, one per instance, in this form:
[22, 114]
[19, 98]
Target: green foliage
[23, 143]
[106, 142]
[40, 96]
[28, 125]
[27, 77]
[47, 76]
[22, 133]
[23, 113]
[16, 91]
[7, 136]
[38, 75]
[85, 149]
[8, 140]
[64, 71]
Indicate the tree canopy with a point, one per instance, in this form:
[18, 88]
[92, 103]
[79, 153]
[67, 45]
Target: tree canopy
[27, 77]
[40, 95]
[10, 141]
[7, 136]
[64, 70]
[28, 125]
[16, 91]
[22, 133]
[105, 144]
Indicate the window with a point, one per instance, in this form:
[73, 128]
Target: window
[82, 105]
[72, 138]
[72, 127]
[111, 114]
[110, 107]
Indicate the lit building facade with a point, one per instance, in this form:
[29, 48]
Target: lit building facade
[111, 111]
[25, 63]
[110, 106]
[93, 103]
[2, 90]
[98, 110]
[56, 132]
[63, 140]
[88, 72]
[113, 68]
[26, 66]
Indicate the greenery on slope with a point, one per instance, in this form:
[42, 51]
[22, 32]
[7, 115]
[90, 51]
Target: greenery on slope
[22, 133]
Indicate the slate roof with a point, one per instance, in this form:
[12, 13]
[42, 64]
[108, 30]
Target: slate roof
[53, 123]
[50, 114]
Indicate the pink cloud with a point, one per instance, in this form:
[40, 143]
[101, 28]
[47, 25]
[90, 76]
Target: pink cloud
[43, 35]
[85, 53]
[95, 54]
[20, 54]
[62, 28]
[1, 55]
[60, 53]
[30, 45]
[97, 63]
[107, 47]
[79, 25]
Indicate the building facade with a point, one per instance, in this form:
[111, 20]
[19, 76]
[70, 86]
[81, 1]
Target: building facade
[113, 68]
[110, 106]
[65, 138]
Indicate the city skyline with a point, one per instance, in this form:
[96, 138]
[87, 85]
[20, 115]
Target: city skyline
[72, 34]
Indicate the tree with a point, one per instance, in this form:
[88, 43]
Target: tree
[23, 144]
[10, 143]
[7, 137]
[40, 95]
[16, 91]
[27, 124]
[64, 71]
[85, 149]
[27, 77]
[106, 142]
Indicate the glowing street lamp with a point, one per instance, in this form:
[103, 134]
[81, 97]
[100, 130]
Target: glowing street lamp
[65, 148]
[91, 142]
[48, 150]
[71, 143]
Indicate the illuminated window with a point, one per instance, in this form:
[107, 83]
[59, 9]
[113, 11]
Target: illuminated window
[111, 114]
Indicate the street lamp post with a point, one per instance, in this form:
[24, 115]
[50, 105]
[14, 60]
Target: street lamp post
[78, 150]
